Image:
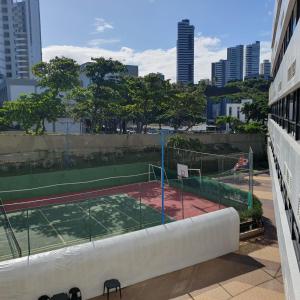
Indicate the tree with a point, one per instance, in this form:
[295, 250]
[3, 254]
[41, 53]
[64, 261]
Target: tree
[32, 110]
[92, 108]
[59, 75]
[232, 122]
[185, 106]
[103, 95]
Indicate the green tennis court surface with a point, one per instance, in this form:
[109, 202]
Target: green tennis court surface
[52, 227]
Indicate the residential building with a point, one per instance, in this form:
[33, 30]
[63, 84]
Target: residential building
[235, 109]
[219, 73]
[215, 109]
[7, 39]
[235, 57]
[12, 89]
[226, 107]
[20, 38]
[284, 139]
[131, 70]
[252, 60]
[185, 52]
[265, 69]
[205, 81]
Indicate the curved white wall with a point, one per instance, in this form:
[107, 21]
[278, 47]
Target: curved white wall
[131, 258]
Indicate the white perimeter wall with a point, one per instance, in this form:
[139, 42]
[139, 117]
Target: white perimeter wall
[131, 257]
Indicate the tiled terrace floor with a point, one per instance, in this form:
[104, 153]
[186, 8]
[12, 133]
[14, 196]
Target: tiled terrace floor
[251, 273]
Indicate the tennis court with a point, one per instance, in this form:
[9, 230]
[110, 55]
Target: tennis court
[45, 212]
[49, 227]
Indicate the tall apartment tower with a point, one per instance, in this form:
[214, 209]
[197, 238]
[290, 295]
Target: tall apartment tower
[265, 69]
[219, 73]
[252, 60]
[235, 57]
[185, 52]
[20, 38]
[284, 139]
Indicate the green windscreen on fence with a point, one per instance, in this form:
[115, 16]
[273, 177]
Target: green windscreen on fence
[214, 191]
[71, 181]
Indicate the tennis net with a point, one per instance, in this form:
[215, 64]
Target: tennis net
[12, 240]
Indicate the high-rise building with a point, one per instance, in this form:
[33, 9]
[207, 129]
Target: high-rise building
[235, 57]
[265, 69]
[252, 60]
[284, 139]
[20, 37]
[185, 52]
[219, 73]
[132, 70]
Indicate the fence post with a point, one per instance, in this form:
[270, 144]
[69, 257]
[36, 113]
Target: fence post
[250, 193]
[28, 233]
[140, 189]
[90, 227]
[162, 176]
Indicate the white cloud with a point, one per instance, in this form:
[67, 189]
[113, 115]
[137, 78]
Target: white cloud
[101, 42]
[101, 25]
[207, 50]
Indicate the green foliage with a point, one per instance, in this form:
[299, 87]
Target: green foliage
[255, 89]
[178, 141]
[232, 122]
[110, 102]
[59, 75]
[252, 127]
[254, 213]
[32, 110]
[186, 105]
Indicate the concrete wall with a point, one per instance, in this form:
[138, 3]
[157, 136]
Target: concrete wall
[132, 257]
[47, 149]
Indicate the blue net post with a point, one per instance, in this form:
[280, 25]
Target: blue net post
[162, 141]
[250, 192]
[28, 232]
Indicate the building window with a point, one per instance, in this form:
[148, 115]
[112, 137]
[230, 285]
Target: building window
[230, 111]
[239, 113]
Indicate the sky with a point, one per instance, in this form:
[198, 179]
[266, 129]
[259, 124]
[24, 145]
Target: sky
[144, 32]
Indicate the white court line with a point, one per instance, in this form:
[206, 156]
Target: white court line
[58, 234]
[93, 218]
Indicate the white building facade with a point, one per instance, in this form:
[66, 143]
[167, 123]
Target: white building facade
[284, 139]
[235, 109]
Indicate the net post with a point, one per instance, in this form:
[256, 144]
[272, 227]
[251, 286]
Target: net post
[28, 233]
[140, 205]
[250, 192]
[90, 227]
[162, 142]
[182, 204]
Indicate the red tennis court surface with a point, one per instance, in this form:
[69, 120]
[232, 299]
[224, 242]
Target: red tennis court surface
[178, 204]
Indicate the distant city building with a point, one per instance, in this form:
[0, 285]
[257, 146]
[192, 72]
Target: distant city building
[132, 70]
[20, 38]
[160, 75]
[265, 69]
[219, 73]
[205, 81]
[252, 60]
[235, 57]
[226, 107]
[234, 109]
[12, 89]
[185, 52]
